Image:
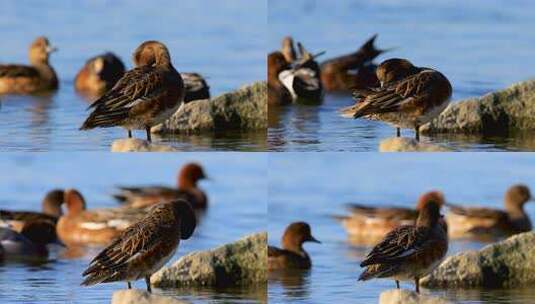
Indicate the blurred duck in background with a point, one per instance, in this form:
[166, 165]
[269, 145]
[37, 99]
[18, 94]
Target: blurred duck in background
[30, 243]
[29, 79]
[99, 74]
[292, 255]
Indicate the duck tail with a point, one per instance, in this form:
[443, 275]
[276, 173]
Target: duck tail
[366, 275]
[348, 112]
[340, 218]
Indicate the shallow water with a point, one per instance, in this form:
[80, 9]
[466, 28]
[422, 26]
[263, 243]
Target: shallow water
[321, 183]
[232, 215]
[476, 44]
[202, 36]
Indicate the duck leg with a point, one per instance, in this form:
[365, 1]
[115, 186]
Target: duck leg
[417, 130]
[129, 285]
[129, 133]
[397, 284]
[148, 134]
[147, 280]
[417, 282]
[398, 132]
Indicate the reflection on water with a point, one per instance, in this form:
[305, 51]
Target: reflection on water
[313, 187]
[231, 215]
[227, 53]
[474, 34]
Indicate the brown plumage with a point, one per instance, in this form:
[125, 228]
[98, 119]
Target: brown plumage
[144, 247]
[38, 77]
[288, 49]
[144, 97]
[99, 74]
[278, 94]
[479, 222]
[409, 252]
[368, 224]
[51, 211]
[292, 254]
[30, 242]
[195, 86]
[352, 71]
[409, 97]
[188, 177]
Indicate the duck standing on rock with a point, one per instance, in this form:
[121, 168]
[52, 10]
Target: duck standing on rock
[409, 96]
[36, 78]
[144, 247]
[292, 255]
[144, 97]
[409, 252]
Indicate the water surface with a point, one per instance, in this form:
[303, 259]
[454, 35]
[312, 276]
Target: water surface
[202, 36]
[312, 187]
[234, 212]
[476, 44]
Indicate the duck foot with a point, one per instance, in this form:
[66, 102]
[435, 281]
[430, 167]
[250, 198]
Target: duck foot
[417, 282]
[147, 280]
[397, 284]
[417, 130]
[129, 133]
[129, 285]
[398, 132]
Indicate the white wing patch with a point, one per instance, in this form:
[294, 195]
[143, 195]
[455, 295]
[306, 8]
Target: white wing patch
[287, 78]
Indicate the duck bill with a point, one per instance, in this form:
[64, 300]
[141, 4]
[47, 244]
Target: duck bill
[51, 49]
[313, 240]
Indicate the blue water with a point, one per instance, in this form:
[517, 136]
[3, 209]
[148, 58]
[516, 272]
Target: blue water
[214, 38]
[481, 46]
[234, 211]
[312, 187]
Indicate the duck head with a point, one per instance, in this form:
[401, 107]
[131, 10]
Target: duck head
[151, 53]
[429, 209]
[516, 196]
[40, 50]
[189, 175]
[395, 69]
[75, 201]
[52, 202]
[295, 235]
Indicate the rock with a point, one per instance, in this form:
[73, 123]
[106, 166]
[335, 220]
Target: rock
[403, 144]
[403, 296]
[241, 263]
[244, 109]
[138, 145]
[136, 296]
[498, 113]
[506, 264]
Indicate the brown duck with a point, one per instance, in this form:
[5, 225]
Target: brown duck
[409, 252]
[144, 247]
[99, 74]
[292, 255]
[38, 77]
[144, 97]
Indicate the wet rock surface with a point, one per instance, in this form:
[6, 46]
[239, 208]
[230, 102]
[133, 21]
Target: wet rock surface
[497, 113]
[136, 296]
[240, 263]
[506, 264]
[403, 296]
[138, 145]
[243, 109]
[403, 144]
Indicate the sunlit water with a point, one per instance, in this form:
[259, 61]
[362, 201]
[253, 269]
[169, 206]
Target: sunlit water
[234, 211]
[312, 187]
[215, 38]
[481, 46]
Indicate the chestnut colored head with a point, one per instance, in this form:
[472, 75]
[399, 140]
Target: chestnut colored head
[52, 202]
[40, 50]
[516, 196]
[189, 175]
[296, 234]
[276, 64]
[75, 201]
[151, 53]
[428, 208]
[394, 69]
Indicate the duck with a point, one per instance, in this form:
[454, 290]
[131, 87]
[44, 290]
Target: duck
[38, 77]
[292, 255]
[96, 227]
[278, 94]
[28, 244]
[469, 222]
[144, 247]
[302, 80]
[408, 96]
[144, 97]
[188, 177]
[288, 50]
[352, 71]
[368, 224]
[195, 86]
[50, 212]
[409, 252]
[99, 74]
